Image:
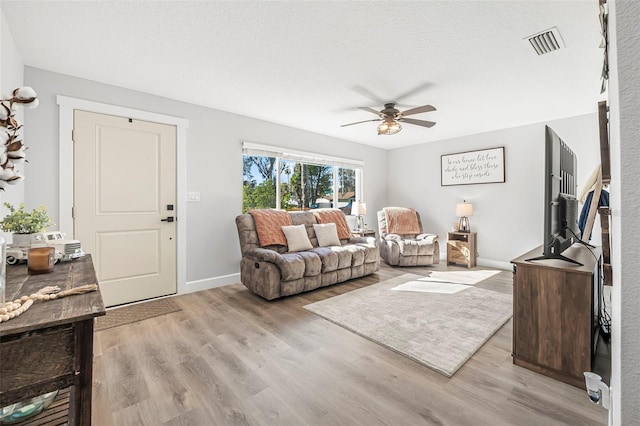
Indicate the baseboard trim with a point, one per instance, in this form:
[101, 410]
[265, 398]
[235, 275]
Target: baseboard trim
[207, 283]
[489, 263]
[498, 264]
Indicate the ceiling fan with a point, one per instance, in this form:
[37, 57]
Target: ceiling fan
[391, 118]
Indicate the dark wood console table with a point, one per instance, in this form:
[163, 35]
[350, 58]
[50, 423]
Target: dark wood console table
[556, 308]
[50, 346]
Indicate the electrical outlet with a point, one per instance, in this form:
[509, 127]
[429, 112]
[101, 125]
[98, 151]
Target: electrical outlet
[193, 196]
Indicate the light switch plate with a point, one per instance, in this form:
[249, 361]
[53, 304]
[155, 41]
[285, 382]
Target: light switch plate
[193, 196]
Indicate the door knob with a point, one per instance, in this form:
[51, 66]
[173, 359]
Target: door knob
[168, 219]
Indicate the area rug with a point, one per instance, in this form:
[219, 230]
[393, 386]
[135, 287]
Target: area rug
[439, 330]
[134, 313]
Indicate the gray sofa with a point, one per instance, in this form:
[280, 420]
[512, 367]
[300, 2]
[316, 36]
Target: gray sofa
[273, 272]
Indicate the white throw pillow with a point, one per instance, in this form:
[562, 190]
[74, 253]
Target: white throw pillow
[297, 239]
[327, 234]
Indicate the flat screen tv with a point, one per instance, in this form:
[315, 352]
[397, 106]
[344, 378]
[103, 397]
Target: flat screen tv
[560, 202]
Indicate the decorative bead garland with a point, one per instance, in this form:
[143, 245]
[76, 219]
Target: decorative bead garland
[10, 310]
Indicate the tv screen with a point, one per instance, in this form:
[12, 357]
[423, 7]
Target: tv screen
[560, 202]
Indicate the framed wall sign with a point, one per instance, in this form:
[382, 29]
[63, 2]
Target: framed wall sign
[467, 168]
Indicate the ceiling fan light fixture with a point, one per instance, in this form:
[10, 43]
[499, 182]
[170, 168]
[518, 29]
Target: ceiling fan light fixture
[389, 127]
[390, 118]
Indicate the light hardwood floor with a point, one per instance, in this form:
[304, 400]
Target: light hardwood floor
[232, 358]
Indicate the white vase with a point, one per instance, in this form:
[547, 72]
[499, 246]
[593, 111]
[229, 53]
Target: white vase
[22, 240]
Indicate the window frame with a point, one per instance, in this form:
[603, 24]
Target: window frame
[279, 153]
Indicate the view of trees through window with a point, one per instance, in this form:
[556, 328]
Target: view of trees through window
[303, 186]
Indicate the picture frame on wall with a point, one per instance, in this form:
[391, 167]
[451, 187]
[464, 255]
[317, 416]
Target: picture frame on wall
[473, 167]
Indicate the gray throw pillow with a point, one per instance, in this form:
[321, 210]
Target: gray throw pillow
[327, 234]
[297, 239]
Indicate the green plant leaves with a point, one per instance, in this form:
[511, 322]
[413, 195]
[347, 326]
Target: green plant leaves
[20, 221]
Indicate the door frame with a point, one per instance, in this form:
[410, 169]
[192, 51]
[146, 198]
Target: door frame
[67, 105]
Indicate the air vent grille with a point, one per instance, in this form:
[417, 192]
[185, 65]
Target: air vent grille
[546, 41]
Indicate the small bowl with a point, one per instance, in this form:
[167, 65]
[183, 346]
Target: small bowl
[20, 411]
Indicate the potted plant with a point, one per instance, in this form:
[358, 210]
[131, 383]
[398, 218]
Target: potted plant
[23, 223]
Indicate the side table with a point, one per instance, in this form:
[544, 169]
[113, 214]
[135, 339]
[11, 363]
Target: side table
[461, 248]
[364, 233]
[50, 346]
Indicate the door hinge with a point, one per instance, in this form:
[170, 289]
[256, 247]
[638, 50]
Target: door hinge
[73, 212]
[73, 136]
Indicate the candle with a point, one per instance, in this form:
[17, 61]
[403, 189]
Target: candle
[40, 260]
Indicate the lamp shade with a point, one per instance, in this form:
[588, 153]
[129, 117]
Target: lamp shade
[358, 208]
[389, 127]
[464, 209]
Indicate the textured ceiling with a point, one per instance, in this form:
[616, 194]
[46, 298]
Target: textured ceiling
[309, 65]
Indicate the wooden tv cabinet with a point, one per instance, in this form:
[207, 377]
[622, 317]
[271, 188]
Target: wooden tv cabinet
[556, 308]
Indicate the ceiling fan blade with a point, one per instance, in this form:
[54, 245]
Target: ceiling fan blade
[422, 123]
[370, 110]
[418, 110]
[368, 94]
[358, 122]
[412, 92]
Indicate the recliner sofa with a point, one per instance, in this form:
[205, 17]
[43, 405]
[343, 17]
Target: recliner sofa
[273, 272]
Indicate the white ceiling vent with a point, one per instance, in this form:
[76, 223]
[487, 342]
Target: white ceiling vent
[546, 41]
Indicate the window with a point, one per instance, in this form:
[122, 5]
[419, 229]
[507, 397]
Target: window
[346, 189]
[284, 179]
[259, 188]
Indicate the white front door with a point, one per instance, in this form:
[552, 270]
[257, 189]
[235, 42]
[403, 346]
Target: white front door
[124, 191]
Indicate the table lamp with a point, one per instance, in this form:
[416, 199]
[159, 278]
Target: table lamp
[463, 211]
[359, 209]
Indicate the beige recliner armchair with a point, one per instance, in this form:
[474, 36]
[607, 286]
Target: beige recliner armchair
[402, 239]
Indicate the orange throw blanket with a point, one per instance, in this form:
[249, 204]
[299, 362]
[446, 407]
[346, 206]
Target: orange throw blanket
[269, 223]
[401, 221]
[337, 217]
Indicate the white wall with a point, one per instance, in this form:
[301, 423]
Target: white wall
[214, 163]
[507, 216]
[11, 77]
[624, 99]
[11, 67]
